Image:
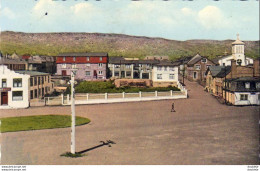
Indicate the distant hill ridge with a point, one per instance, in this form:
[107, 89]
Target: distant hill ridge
[115, 45]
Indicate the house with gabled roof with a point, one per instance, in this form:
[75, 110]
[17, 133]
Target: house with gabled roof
[197, 67]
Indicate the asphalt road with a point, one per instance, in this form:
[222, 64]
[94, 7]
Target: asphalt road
[201, 131]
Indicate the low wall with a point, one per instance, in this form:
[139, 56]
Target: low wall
[133, 82]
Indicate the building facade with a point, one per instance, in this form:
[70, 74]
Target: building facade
[197, 67]
[242, 91]
[14, 89]
[90, 66]
[164, 74]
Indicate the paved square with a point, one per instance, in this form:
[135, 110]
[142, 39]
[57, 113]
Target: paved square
[201, 131]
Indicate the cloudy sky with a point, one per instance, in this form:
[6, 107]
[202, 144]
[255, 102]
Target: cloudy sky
[173, 19]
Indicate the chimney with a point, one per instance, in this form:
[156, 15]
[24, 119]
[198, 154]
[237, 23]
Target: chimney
[256, 68]
[233, 68]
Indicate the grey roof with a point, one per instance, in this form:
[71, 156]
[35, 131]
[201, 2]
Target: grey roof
[224, 71]
[215, 70]
[115, 59]
[166, 63]
[11, 61]
[80, 54]
[32, 73]
[195, 59]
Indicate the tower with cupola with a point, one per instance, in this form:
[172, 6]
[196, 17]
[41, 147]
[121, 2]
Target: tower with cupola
[238, 54]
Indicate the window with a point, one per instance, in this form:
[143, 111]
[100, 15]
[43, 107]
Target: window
[204, 60]
[100, 72]
[100, 65]
[224, 64]
[116, 73]
[42, 78]
[74, 58]
[258, 85]
[64, 59]
[171, 68]
[35, 93]
[88, 65]
[87, 73]
[63, 66]
[45, 78]
[74, 66]
[159, 68]
[4, 84]
[48, 79]
[195, 75]
[87, 58]
[128, 73]
[258, 96]
[100, 58]
[128, 66]
[17, 95]
[204, 74]
[247, 85]
[243, 96]
[17, 82]
[35, 81]
[31, 81]
[159, 76]
[31, 94]
[197, 67]
[117, 66]
[39, 92]
[171, 76]
[165, 68]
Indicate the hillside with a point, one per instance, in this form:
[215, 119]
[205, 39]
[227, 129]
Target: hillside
[114, 44]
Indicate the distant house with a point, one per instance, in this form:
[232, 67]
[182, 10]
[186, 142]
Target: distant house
[197, 67]
[14, 64]
[156, 58]
[132, 69]
[165, 73]
[90, 66]
[19, 89]
[217, 74]
[242, 91]
[238, 54]
[14, 89]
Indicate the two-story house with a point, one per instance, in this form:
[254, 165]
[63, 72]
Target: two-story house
[165, 73]
[197, 67]
[89, 66]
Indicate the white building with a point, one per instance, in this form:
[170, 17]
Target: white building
[238, 54]
[165, 74]
[14, 89]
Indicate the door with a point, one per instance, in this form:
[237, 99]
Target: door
[63, 73]
[4, 98]
[195, 75]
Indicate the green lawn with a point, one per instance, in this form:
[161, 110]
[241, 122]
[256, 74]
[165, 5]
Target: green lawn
[25, 123]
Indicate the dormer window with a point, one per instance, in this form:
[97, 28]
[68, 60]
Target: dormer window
[74, 58]
[100, 58]
[247, 85]
[87, 58]
[64, 59]
[204, 60]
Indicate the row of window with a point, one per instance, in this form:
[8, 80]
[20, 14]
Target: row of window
[198, 67]
[87, 58]
[171, 76]
[40, 80]
[88, 73]
[75, 65]
[159, 68]
[245, 96]
[17, 82]
[38, 93]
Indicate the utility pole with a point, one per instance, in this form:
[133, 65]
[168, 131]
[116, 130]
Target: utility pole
[225, 85]
[73, 113]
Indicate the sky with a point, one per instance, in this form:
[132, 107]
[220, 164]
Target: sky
[172, 19]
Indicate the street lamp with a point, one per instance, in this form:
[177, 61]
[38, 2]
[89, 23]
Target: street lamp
[73, 113]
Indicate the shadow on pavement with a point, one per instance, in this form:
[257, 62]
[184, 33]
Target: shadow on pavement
[108, 143]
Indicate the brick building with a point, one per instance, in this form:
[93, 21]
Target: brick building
[90, 66]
